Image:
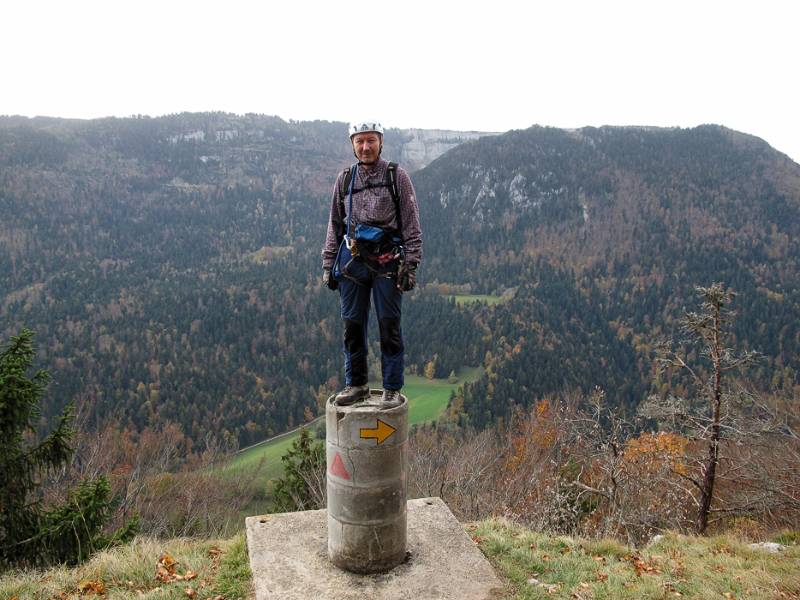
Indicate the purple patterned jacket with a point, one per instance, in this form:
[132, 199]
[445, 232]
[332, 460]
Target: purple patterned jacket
[374, 206]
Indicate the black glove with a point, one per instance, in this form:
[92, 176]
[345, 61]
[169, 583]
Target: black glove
[407, 277]
[328, 279]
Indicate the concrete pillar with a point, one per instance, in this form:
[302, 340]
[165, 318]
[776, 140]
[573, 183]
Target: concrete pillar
[367, 458]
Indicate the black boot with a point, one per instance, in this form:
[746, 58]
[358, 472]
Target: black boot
[352, 394]
[391, 399]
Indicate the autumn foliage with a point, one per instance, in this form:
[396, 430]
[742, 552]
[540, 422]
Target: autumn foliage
[572, 465]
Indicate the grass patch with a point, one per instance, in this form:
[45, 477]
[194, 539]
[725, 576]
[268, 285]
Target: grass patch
[235, 578]
[270, 453]
[536, 566]
[427, 398]
[788, 538]
[427, 401]
[221, 567]
[539, 566]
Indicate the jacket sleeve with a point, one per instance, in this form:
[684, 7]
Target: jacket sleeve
[409, 215]
[335, 228]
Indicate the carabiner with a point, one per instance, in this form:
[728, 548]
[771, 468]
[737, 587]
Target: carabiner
[351, 245]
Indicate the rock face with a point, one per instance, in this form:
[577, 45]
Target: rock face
[420, 147]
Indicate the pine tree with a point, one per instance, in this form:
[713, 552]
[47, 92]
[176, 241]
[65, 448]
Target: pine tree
[302, 485]
[31, 534]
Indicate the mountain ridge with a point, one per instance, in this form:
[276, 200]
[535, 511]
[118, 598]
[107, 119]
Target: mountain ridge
[173, 278]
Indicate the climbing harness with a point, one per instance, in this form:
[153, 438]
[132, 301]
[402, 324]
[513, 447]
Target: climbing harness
[390, 181]
[369, 243]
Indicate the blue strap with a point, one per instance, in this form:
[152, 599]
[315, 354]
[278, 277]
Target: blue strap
[353, 173]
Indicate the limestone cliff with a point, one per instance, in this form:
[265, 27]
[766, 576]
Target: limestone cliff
[420, 147]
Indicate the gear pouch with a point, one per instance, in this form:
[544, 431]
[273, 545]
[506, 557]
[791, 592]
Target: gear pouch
[369, 233]
[347, 267]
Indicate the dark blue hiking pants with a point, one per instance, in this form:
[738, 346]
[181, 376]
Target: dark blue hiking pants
[355, 299]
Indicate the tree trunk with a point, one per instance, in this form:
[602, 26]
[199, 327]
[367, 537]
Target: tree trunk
[707, 486]
[710, 467]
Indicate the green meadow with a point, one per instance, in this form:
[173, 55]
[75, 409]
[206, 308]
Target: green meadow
[427, 399]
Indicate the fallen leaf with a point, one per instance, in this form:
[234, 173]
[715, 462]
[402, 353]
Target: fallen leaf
[641, 566]
[214, 553]
[190, 592]
[166, 569]
[168, 562]
[189, 575]
[91, 588]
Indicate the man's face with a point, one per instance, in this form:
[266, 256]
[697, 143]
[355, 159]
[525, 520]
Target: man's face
[367, 146]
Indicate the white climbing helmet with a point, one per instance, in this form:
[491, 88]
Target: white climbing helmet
[365, 126]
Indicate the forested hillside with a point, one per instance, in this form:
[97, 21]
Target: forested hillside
[606, 232]
[170, 267]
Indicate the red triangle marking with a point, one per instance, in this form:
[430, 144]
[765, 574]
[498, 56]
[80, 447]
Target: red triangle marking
[337, 467]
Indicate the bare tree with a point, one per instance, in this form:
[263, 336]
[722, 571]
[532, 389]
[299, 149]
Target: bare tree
[458, 468]
[709, 416]
[153, 475]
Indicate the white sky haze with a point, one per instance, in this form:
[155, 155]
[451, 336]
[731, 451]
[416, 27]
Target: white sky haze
[489, 66]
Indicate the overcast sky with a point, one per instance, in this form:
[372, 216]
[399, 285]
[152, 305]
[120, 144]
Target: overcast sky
[489, 66]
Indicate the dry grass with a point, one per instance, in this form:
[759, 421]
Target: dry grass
[534, 565]
[539, 566]
[130, 572]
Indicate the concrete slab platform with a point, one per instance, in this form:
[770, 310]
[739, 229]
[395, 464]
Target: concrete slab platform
[289, 560]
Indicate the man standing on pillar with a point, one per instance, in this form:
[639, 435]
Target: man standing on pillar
[372, 249]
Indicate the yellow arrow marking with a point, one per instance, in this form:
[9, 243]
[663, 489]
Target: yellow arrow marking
[380, 432]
